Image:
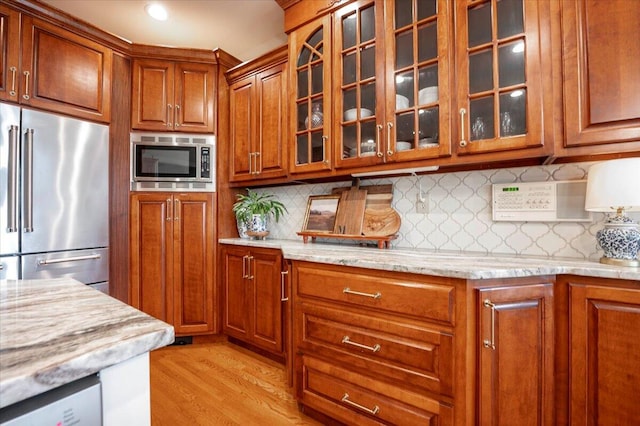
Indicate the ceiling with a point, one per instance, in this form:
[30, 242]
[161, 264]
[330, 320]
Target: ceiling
[244, 28]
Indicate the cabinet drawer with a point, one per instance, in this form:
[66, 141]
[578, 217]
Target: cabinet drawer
[398, 293]
[357, 399]
[406, 352]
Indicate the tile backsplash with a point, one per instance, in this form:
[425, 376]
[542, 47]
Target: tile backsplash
[459, 217]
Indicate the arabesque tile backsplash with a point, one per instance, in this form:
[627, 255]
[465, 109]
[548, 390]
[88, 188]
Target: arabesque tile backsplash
[459, 217]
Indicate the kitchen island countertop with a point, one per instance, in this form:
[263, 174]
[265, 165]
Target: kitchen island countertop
[439, 263]
[54, 331]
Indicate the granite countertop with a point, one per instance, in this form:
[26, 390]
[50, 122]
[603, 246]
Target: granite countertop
[439, 263]
[54, 331]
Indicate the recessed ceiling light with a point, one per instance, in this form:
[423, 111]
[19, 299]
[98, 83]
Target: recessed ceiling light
[156, 11]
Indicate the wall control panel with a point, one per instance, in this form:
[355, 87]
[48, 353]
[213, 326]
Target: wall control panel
[552, 201]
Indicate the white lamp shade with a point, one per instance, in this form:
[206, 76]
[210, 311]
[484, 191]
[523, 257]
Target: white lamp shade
[614, 184]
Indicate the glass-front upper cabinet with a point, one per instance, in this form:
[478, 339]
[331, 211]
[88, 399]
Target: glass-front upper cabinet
[418, 79]
[310, 46]
[358, 111]
[499, 81]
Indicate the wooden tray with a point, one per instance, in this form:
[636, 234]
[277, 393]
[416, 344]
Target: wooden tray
[382, 241]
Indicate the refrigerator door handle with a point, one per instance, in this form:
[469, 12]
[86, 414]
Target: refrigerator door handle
[27, 200]
[68, 259]
[12, 181]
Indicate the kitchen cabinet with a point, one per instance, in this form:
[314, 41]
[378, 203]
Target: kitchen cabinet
[254, 294]
[258, 111]
[172, 251]
[48, 67]
[173, 96]
[602, 360]
[516, 354]
[311, 97]
[600, 59]
[368, 349]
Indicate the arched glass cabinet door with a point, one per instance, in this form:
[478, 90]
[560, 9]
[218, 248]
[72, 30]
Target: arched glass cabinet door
[499, 82]
[311, 97]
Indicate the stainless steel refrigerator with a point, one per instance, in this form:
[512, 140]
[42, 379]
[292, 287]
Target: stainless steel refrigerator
[54, 212]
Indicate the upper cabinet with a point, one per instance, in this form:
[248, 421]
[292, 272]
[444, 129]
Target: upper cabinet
[500, 94]
[601, 63]
[374, 83]
[310, 67]
[173, 96]
[45, 66]
[258, 99]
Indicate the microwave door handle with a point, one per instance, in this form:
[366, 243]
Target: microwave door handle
[27, 200]
[12, 181]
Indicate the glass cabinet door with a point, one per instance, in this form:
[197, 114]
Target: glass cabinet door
[311, 97]
[499, 80]
[417, 79]
[357, 114]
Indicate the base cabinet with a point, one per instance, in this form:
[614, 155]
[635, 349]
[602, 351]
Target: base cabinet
[172, 251]
[516, 355]
[254, 297]
[604, 352]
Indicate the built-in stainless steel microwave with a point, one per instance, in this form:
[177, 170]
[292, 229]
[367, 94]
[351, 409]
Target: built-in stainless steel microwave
[170, 161]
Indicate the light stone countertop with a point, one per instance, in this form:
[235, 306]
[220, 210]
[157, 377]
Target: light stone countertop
[439, 263]
[54, 331]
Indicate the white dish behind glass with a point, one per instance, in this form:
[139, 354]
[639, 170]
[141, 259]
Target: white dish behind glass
[352, 114]
[402, 145]
[428, 95]
[402, 102]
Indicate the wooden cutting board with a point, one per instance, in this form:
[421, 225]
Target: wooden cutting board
[378, 196]
[350, 212]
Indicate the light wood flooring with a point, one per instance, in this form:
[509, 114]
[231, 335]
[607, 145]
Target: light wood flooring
[219, 383]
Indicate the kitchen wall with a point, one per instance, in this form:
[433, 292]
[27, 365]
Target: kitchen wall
[459, 217]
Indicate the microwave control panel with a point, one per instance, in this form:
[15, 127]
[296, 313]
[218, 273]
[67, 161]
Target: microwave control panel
[552, 201]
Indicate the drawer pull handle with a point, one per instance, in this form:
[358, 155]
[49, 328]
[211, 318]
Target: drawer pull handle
[491, 343]
[373, 411]
[347, 341]
[347, 290]
[68, 259]
[283, 297]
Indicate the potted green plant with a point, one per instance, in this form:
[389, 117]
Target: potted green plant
[253, 211]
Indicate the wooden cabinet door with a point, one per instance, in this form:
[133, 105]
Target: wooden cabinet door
[236, 292]
[151, 245]
[193, 242]
[516, 355]
[311, 97]
[64, 72]
[601, 63]
[265, 303]
[242, 124]
[604, 353]
[271, 113]
[194, 97]
[10, 75]
[499, 81]
[152, 99]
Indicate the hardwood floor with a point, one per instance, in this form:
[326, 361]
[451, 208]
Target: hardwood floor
[219, 384]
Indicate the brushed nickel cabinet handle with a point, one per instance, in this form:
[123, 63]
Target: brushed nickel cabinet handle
[249, 274]
[373, 411]
[463, 141]
[26, 85]
[491, 344]
[176, 211]
[378, 140]
[347, 290]
[169, 114]
[258, 165]
[168, 209]
[389, 127]
[244, 266]
[251, 163]
[347, 341]
[13, 70]
[283, 297]
[177, 116]
[324, 149]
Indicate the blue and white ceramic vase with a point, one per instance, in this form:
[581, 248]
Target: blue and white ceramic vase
[259, 223]
[620, 240]
[243, 227]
